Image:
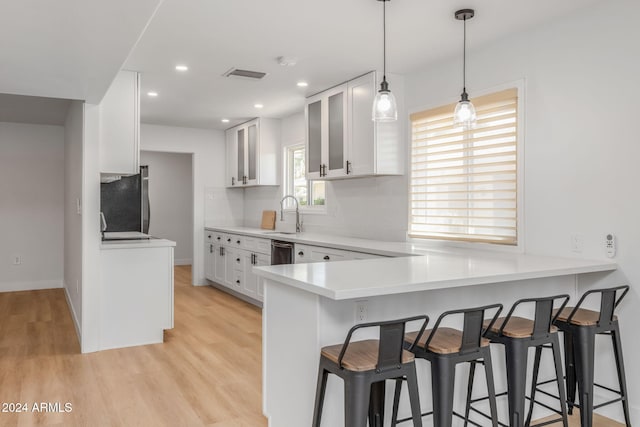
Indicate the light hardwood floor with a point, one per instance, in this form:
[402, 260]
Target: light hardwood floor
[207, 373]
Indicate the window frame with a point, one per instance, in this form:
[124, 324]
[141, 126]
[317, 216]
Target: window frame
[519, 247]
[287, 187]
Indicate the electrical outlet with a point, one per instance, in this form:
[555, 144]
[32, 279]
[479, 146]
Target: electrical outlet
[362, 310]
[17, 260]
[577, 242]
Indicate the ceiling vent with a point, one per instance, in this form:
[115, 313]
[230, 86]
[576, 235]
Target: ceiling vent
[245, 74]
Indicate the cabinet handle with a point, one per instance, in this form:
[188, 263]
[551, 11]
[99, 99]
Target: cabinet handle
[209, 236]
[221, 250]
[301, 253]
[237, 259]
[348, 167]
[238, 282]
[210, 249]
[228, 240]
[233, 180]
[218, 237]
[238, 241]
[320, 169]
[326, 258]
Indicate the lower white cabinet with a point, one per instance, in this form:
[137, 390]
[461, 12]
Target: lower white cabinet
[232, 260]
[310, 253]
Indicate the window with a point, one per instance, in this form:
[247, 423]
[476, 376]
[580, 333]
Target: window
[310, 194]
[464, 184]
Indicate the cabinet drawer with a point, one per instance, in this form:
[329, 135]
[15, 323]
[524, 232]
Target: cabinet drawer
[237, 240]
[307, 253]
[238, 279]
[364, 255]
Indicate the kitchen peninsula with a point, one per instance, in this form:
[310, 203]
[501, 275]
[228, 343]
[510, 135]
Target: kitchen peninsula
[136, 292]
[309, 306]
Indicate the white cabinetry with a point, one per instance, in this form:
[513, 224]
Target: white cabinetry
[120, 126]
[341, 139]
[326, 133]
[209, 256]
[309, 253]
[234, 257]
[252, 153]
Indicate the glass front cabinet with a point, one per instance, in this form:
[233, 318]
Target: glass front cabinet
[341, 139]
[252, 153]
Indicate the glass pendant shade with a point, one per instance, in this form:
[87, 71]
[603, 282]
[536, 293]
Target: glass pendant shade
[464, 114]
[384, 107]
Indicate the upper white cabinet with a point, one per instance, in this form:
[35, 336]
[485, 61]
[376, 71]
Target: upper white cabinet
[326, 133]
[252, 153]
[341, 139]
[120, 126]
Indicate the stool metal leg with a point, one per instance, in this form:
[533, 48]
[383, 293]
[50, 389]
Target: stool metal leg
[396, 402]
[376, 404]
[320, 389]
[516, 358]
[534, 383]
[443, 380]
[414, 396]
[491, 388]
[584, 349]
[356, 401]
[617, 349]
[472, 374]
[555, 345]
[570, 370]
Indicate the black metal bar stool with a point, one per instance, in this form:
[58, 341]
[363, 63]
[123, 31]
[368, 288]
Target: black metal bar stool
[445, 348]
[364, 366]
[518, 334]
[580, 327]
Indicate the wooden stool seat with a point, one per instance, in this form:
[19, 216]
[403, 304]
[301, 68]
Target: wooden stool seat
[583, 317]
[360, 356]
[517, 327]
[445, 340]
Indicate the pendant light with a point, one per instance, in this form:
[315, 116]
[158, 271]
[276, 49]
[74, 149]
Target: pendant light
[465, 113]
[384, 104]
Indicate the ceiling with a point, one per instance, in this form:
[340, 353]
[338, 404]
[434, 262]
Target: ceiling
[72, 49]
[333, 41]
[67, 48]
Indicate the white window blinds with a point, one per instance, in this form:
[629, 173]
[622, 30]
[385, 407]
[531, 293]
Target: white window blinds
[464, 183]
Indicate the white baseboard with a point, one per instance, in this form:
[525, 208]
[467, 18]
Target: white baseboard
[30, 286]
[182, 261]
[76, 323]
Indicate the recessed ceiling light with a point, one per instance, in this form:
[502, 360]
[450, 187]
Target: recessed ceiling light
[152, 94]
[181, 68]
[225, 120]
[258, 105]
[302, 84]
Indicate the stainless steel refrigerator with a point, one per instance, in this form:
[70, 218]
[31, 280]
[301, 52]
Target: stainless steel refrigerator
[124, 204]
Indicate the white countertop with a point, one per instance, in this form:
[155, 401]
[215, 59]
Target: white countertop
[435, 270]
[135, 244]
[428, 269]
[392, 249]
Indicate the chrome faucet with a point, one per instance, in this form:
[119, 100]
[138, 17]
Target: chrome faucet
[298, 223]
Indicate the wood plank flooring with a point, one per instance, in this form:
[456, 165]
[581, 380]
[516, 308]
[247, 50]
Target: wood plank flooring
[207, 373]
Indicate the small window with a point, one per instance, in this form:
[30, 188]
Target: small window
[464, 183]
[310, 194]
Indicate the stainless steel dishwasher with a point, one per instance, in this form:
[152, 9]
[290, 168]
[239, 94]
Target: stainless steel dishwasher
[281, 252]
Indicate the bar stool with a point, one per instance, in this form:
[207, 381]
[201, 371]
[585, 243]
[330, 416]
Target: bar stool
[445, 348]
[518, 334]
[580, 327]
[364, 366]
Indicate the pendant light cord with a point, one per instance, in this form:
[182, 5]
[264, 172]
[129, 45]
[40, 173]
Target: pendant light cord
[464, 57]
[384, 39]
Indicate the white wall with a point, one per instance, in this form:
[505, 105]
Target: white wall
[73, 137]
[366, 207]
[581, 144]
[31, 206]
[212, 203]
[171, 200]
